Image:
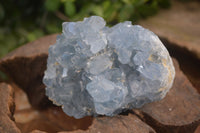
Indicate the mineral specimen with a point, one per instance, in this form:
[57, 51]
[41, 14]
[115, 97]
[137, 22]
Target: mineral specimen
[97, 70]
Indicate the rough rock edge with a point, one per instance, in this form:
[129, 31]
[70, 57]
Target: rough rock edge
[118, 124]
[7, 107]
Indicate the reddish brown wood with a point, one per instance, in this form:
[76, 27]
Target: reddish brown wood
[7, 124]
[37, 131]
[197, 129]
[117, 124]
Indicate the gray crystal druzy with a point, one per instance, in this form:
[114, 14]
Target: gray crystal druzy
[93, 69]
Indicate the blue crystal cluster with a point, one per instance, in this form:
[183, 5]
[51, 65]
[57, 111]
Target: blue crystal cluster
[98, 70]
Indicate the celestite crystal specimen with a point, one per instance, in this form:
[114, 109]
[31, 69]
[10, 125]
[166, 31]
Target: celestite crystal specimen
[97, 70]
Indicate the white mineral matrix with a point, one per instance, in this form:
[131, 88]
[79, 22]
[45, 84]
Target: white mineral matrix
[98, 70]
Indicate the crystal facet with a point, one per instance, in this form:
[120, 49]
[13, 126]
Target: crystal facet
[97, 70]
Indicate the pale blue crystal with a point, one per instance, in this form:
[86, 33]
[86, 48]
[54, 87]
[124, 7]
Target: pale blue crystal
[96, 70]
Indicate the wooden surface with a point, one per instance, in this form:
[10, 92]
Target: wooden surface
[7, 124]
